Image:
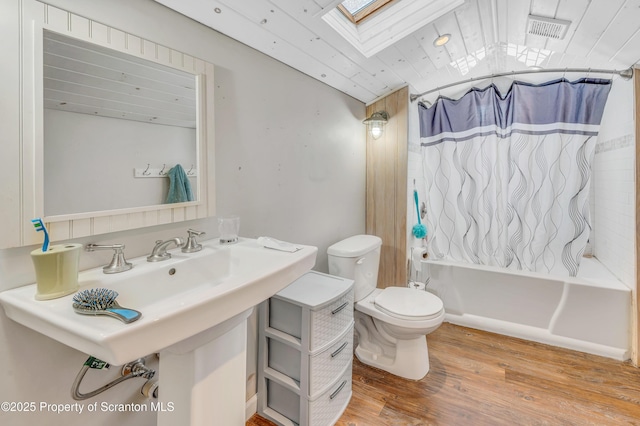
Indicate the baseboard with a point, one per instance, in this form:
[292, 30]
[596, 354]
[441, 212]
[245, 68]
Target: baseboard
[251, 407]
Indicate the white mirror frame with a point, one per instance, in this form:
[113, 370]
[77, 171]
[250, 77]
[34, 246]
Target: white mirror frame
[39, 16]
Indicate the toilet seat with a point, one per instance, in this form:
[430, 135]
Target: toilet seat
[408, 304]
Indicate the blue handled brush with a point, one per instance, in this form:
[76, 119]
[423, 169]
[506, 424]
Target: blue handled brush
[37, 223]
[102, 301]
[419, 230]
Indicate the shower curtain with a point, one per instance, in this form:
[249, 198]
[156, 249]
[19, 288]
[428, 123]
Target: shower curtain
[507, 177]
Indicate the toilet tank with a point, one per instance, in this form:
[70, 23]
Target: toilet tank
[357, 258]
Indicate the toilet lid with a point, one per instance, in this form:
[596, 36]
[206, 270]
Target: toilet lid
[407, 303]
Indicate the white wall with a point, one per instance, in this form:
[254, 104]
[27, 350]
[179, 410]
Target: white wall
[290, 160]
[613, 185]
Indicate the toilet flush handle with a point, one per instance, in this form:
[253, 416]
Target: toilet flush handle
[360, 261]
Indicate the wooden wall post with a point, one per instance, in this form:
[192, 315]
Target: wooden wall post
[635, 313]
[386, 193]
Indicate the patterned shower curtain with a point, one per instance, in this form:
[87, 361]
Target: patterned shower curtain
[507, 177]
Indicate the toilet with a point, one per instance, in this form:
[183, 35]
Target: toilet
[391, 324]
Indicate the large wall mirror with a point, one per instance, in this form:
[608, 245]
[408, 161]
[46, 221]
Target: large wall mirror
[114, 125]
[107, 114]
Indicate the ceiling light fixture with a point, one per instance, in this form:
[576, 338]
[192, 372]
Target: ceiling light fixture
[376, 123]
[442, 40]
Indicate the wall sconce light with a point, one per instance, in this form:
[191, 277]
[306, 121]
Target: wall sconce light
[376, 123]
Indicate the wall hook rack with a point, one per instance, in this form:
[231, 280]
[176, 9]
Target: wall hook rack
[160, 172]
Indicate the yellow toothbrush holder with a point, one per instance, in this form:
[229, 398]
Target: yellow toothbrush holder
[56, 270]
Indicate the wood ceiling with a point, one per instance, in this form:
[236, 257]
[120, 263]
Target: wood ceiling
[488, 36]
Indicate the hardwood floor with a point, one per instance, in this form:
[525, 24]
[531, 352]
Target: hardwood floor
[480, 378]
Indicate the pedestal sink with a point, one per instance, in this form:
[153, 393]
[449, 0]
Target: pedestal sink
[194, 309]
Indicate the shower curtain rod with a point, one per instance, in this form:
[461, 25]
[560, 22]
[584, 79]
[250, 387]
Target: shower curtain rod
[626, 74]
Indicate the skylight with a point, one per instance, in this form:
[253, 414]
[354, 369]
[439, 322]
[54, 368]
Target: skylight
[355, 6]
[357, 10]
[393, 21]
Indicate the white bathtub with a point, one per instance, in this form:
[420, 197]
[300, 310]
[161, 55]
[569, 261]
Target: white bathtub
[589, 313]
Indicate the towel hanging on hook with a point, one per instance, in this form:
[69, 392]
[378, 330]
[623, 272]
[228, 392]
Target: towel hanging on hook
[179, 186]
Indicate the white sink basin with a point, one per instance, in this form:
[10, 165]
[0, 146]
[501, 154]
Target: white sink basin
[178, 298]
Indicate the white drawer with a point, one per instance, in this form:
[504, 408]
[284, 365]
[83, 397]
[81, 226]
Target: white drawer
[324, 367]
[330, 322]
[327, 365]
[284, 359]
[324, 410]
[283, 401]
[328, 407]
[286, 317]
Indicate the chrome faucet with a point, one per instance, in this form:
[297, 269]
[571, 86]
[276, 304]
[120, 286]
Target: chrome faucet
[118, 262]
[159, 252]
[192, 244]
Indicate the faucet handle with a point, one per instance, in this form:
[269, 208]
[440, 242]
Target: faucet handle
[118, 262]
[192, 244]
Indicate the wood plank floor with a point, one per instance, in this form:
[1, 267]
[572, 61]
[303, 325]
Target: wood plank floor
[480, 378]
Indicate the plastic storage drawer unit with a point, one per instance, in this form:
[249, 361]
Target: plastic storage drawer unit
[305, 351]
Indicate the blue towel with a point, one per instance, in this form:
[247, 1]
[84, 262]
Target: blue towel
[179, 186]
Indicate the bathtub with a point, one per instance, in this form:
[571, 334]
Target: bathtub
[589, 313]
